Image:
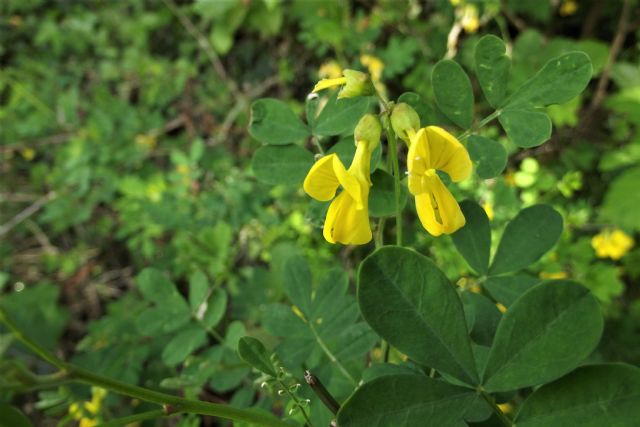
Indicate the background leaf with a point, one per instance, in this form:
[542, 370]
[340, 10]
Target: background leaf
[382, 199]
[340, 116]
[252, 351]
[546, 333]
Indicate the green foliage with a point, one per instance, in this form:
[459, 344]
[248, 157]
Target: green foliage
[453, 93]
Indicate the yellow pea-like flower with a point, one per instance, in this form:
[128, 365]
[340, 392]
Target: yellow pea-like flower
[347, 220]
[354, 83]
[612, 243]
[430, 149]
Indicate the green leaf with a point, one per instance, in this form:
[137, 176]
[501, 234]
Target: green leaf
[12, 417]
[382, 199]
[453, 92]
[546, 333]
[273, 122]
[183, 344]
[405, 400]
[287, 164]
[155, 286]
[198, 290]
[507, 289]
[492, 68]
[527, 237]
[590, 396]
[212, 313]
[622, 201]
[252, 351]
[485, 316]
[560, 80]
[297, 281]
[473, 241]
[526, 128]
[340, 116]
[409, 302]
[489, 157]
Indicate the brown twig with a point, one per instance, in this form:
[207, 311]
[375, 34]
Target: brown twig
[321, 391]
[512, 18]
[27, 212]
[616, 46]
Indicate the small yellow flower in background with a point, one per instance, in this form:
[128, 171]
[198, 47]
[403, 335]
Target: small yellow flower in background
[86, 414]
[568, 7]
[469, 18]
[28, 154]
[510, 178]
[612, 243]
[330, 70]
[507, 408]
[146, 141]
[347, 220]
[488, 208]
[355, 83]
[431, 149]
[374, 65]
[556, 275]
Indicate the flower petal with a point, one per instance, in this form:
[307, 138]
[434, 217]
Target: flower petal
[322, 182]
[345, 223]
[418, 157]
[438, 210]
[327, 83]
[350, 183]
[448, 154]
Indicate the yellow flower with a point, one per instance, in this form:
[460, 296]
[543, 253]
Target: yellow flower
[568, 7]
[433, 148]
[488, 208]
[507, 408]
[469, 18]
[612, 243]
[347, 220]
[555, 275]
[374, 65]
[330, 70]
[356, 83]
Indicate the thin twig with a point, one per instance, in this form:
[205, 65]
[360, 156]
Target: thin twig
[204, 44]
[27, 212]
[616, 46]
[321, 391]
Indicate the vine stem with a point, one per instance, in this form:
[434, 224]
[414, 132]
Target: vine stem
[331, 356]
[172, 404]
[496, 409]
[393, 155]
[297, 402]
[482, 123]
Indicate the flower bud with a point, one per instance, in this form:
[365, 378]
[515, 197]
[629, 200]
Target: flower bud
[404, 119]
[358, 84]
[368, 129]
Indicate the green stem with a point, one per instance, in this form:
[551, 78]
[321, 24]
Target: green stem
[297, 402]
[379, 236]
[143, 416]
[496, 409]
[482, 123]
[173, 403]
[393, 155]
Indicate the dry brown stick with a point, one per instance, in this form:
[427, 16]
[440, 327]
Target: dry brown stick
[616, 46]
[204, 45]
[27, 212]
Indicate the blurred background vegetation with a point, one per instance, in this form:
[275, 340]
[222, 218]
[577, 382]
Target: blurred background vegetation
[124, 149]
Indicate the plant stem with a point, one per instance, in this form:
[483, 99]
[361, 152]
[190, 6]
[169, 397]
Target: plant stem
[393, 155]
[331, 356]
[172, 403]
[321, 391]
[496, 409]
[297, 402]
[482, 123]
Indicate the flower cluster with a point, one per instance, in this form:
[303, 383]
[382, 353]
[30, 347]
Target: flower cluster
[431, 152]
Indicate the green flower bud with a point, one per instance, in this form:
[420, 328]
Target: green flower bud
[357, 84]
[368, 129]
[403, 119]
